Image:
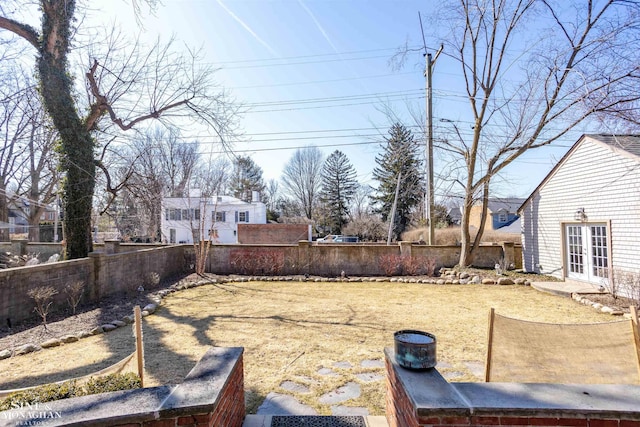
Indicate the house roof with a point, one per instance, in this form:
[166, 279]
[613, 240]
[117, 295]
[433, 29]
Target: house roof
[509, 204]
[628, 143]
[625, 144]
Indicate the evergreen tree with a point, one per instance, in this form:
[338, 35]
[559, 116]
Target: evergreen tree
[338, 188]
[400, 156]
[246, 178]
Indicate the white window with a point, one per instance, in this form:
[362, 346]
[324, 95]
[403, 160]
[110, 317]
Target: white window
[219, 216]
[242, 216]
[503, 216]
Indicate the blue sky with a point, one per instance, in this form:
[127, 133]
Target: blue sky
[317, 72]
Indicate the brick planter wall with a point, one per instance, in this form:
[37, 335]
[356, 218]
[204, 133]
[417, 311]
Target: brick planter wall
[426, 399]
[211, 395]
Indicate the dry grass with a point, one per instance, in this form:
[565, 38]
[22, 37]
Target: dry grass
[291, 329]
[451, 236]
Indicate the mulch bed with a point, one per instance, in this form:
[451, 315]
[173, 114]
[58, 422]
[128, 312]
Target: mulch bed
[86, 318]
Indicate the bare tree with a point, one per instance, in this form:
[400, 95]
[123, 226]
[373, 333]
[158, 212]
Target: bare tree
[14, 128]
[159, 164]
[127, 86]
[533, 71]
[301, 178]
[38, 181]
[270, 199]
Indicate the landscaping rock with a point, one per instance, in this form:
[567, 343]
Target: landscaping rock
[108, 327]
[144, 313]
[520, 281]
[440, 282]
[97, 330]
[53, 342]
[464, 275]
[606, 309]
[488, 282]
[476, 280]
[128, 319]
[617, 313]
[118, 323]
[69, 338]
[505, 281]
[151, 308]
[27, 348]
[597, 306]
[84, 334]
[5, 354]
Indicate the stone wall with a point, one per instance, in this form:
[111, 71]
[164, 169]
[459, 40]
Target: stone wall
[15, 283]
[327, 259]
[121, 269]
[426, 399]
[272, 233]
[211, 395]
[103, 274]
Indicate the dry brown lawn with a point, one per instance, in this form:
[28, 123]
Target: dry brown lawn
[290, 330]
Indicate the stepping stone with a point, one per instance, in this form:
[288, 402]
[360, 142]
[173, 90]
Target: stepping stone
[369, 377]
[343, 365]
[282, 404]
[307, 380]
[348, 391]
[327, 371]
[372, 364]
[295, 387]
[476, 368]
[349, 410]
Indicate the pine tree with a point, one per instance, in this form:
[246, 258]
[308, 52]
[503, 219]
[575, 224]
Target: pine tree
[339, 186]
[246, 178]
[400, 156]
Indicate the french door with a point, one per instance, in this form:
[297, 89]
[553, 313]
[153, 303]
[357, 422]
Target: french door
[587, 252]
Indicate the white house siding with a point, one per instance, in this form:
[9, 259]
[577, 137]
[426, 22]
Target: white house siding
[231, 208]
[602, 180]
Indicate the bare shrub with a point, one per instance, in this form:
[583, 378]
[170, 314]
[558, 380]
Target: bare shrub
[151, 280]
[43, 297]
[252, 262]
[73, 292]
[625, 283]
[390, 264]
[419, 265]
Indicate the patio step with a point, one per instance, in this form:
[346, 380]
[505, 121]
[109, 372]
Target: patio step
[265, 421]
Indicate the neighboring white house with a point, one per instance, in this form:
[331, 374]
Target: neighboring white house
[583, 221]
[182, 218]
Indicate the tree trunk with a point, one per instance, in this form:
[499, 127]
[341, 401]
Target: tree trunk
[76, 142]
[466, 253]
[4, 216]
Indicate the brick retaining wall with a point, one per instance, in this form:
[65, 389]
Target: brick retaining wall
[426, 399]
[211, 395]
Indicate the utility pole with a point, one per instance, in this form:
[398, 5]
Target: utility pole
[429, 200]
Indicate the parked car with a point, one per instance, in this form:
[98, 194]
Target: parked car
[336, 238]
